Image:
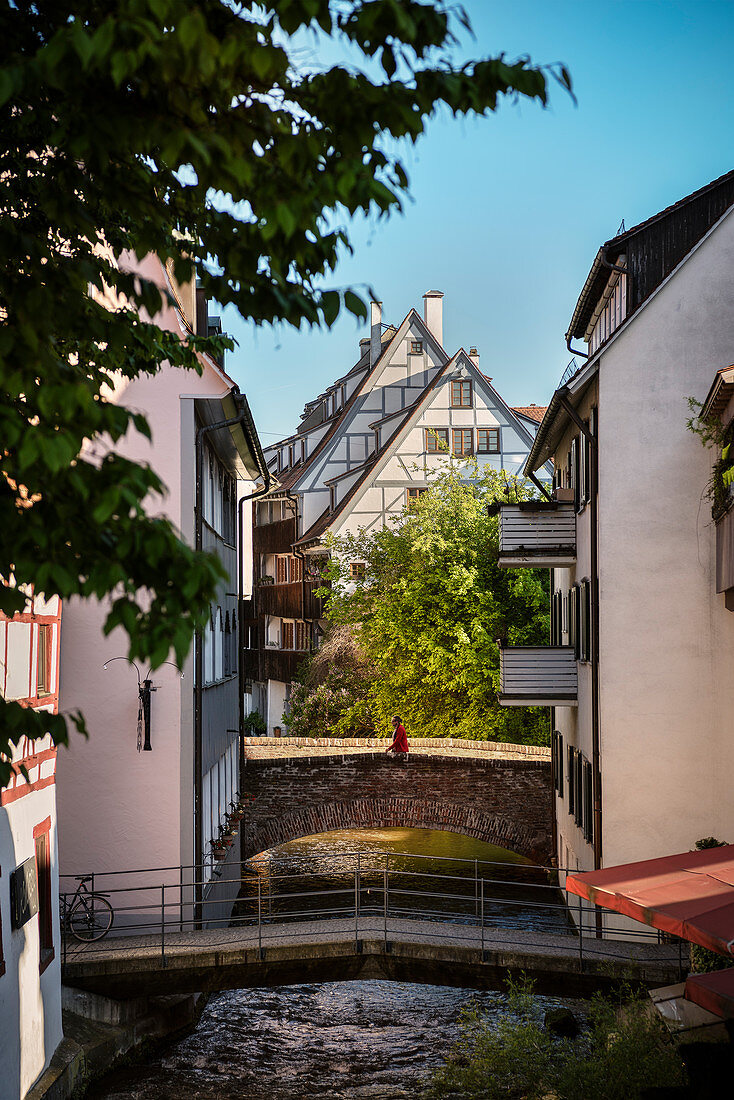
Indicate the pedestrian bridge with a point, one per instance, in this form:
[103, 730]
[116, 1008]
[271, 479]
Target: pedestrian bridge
[397, 918]
[338, 950]
[498, 793]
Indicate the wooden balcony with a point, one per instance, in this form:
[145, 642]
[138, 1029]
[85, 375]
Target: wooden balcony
[272, 664]
[536, 534]
[538, 676]
[290, 601]
[274, 538]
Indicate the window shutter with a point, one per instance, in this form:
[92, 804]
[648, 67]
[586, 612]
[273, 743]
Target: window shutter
[588, 802]
[578, 804]
[571, 779]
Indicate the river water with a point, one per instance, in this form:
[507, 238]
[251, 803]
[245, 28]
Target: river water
[362, 1040]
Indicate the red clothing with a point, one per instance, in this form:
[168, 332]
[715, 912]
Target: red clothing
[400, 741]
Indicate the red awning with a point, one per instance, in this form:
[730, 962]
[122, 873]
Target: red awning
[714, 992]
[689, 895]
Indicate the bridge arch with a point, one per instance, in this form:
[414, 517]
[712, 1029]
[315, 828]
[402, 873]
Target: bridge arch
[503, 802]
[402, 813]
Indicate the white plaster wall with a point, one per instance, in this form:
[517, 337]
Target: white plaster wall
[117, 807]
[30, 1004]
[667, 692]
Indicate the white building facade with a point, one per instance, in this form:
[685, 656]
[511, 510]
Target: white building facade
[121, 806]
[639, 668]
[30, 953]
[367, 446]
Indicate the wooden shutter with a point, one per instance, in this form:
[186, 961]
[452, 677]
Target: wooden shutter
[571, 779]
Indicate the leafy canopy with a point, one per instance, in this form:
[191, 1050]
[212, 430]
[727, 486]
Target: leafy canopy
[432, 604]
[184, 129]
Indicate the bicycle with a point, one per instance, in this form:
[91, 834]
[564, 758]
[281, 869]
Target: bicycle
[89, 915]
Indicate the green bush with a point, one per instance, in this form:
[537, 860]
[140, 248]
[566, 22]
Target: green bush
[623, 1050]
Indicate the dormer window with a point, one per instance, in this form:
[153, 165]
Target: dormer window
[416, 347]
[461, 395]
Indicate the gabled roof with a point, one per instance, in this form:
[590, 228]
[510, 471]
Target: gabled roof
[327, 518]
[652, 249]
[391, 337]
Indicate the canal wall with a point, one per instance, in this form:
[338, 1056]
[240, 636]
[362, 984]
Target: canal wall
[501, 801]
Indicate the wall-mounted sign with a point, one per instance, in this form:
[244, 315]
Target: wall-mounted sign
[23, 893]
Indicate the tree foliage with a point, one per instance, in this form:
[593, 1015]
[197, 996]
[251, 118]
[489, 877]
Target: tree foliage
[433, 603]
[185, 129]
[331, 697]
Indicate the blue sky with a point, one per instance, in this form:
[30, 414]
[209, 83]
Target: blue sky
[507, 212]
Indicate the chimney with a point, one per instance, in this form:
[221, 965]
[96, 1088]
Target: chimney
[474, 356]
[433, 313]
[375, 331]
[364, 344]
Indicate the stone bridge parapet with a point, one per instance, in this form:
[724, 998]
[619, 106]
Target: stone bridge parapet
[498, 798]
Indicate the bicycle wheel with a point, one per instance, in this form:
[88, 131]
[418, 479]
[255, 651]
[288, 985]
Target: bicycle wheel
[91, 918]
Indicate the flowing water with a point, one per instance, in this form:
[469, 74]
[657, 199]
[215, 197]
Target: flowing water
[362, 1040]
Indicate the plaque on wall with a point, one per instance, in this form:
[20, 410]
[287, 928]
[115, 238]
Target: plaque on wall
[23, 893]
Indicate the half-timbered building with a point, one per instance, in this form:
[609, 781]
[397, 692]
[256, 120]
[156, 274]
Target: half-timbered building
[364, 449]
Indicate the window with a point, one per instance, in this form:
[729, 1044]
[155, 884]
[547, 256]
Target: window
[557, 757]
[436, 439]
[42, 839]
[556, 637]
[461, 395]
[412, 495]
[296, 568]
[292, 454]
[584, 621]
[573, 618]
[416, 347]
[357, 570]
[461, 441]
[43, 665]
[287, 636]
[281, 569]
[488, 441]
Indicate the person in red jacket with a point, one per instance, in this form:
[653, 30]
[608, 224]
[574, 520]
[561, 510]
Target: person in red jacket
[400, 739]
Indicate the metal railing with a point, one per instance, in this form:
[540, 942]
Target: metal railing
[356, 895]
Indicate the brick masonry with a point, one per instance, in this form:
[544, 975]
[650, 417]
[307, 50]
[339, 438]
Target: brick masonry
[501, 801]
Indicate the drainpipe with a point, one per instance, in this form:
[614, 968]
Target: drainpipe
[198, 669]
[591, 439]
[575, 351]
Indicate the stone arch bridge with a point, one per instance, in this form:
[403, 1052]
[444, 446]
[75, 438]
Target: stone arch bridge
[493, 792]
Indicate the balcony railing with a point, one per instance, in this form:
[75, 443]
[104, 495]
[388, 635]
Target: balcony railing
[538, 676]
[535, 535]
